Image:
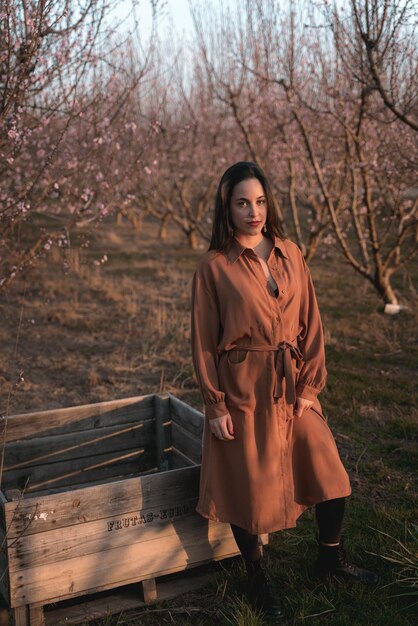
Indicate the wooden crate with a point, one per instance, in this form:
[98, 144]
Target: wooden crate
[99, 496]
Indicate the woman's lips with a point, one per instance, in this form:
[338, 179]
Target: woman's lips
[253, 223]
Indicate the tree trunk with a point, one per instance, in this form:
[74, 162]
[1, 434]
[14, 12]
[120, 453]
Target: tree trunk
[136, 220]
[383, 286]
[191, 238]
[163, 227]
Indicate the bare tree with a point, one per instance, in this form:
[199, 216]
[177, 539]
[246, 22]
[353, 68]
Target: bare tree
[65, 86]
[377, 42]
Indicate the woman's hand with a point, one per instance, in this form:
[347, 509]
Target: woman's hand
[301, 405]
[222, 427]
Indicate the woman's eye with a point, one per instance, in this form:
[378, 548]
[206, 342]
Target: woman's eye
[242, 203]
[263, 201]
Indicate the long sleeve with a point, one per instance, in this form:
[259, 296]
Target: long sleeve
[313, 373]
[205, 327]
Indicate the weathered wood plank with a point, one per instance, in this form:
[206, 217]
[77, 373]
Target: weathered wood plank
[39, 514]
[188, 417]
[162, 431]
[124, 599]
[72, 489]
[21, 616]
[4, 568]
[121, 565]
[45, 450]
[76, 418]
[4, 577]
[36, 616]
[114, 532]
[13, 495]
[149, 590]
[178, 460]
[3, 501]
[78, 470]
[186, 443]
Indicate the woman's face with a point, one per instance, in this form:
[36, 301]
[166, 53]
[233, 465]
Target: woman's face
[248, 207]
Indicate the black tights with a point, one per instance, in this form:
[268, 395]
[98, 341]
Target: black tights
[329, 516]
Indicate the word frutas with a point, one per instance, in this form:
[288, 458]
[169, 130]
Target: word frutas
[146, 518]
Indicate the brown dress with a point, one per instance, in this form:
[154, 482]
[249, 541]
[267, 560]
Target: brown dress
[253, 353]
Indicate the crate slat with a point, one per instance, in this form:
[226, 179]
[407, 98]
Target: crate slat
[162, 432]
[188, 417]
[46, 450]
[124, 599]
[36, 616]
[61, 544]
[76, 418]
[121, 565]
[3, 501]
[4, 568]
[78, 470]
[149, 590]
[38, 514]
[186, 443]
[178, 459]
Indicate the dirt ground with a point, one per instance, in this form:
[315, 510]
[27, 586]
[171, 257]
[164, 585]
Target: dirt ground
[81, 332]
[98, 332]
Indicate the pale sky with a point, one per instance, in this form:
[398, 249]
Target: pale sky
[173, 12]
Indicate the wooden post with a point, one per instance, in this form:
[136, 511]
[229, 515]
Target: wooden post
[36, 616]
[161, 415]
[149, 589]
[20, 615]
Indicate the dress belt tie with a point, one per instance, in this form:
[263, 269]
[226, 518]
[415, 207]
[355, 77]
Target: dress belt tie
[286, 351]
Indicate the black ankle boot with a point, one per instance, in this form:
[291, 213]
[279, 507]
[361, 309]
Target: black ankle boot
[332, 561]
[261, 591]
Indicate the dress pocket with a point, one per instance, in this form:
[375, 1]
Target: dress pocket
[237, 356]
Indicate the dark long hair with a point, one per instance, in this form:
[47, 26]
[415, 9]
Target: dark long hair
[222, 229]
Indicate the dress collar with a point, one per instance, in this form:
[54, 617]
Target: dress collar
[237, 248]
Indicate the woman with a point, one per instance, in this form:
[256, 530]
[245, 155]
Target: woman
[259, 358]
